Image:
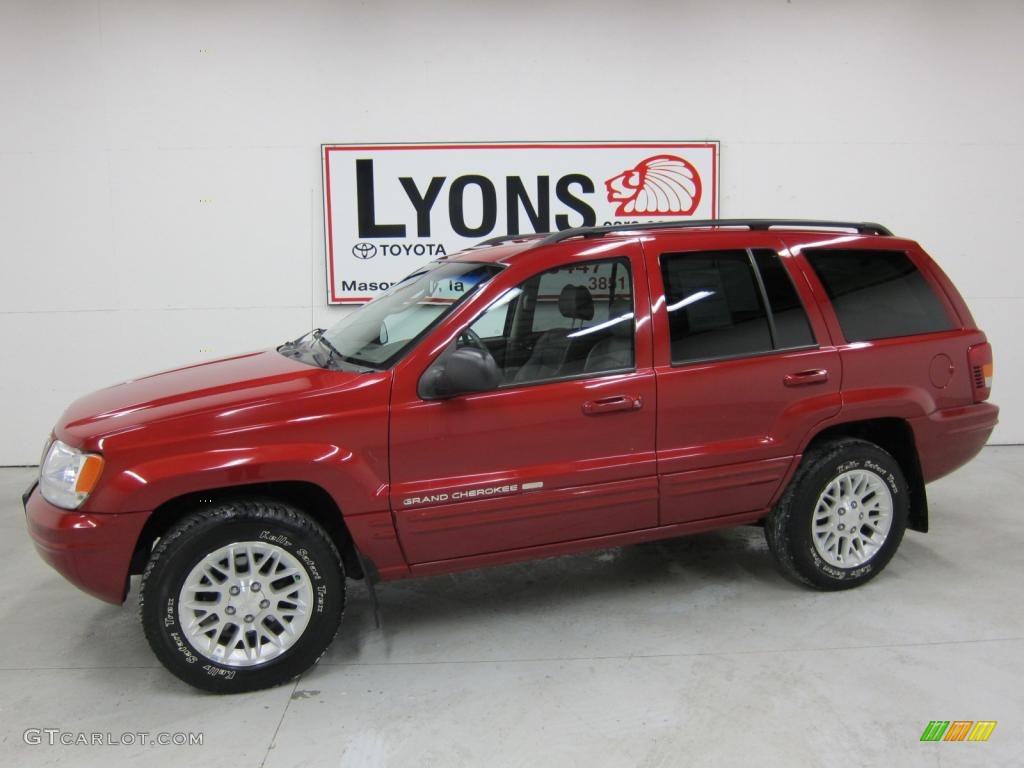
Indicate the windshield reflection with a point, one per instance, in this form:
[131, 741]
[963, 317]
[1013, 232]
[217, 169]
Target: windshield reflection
[377, 334]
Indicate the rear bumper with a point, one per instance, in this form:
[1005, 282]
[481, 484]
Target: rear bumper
[92, 551]
[948, 439]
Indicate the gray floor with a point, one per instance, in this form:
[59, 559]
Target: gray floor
[691, 652]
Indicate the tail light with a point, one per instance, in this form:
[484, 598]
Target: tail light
[979, 358]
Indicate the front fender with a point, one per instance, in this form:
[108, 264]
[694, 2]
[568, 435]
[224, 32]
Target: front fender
[143, 486]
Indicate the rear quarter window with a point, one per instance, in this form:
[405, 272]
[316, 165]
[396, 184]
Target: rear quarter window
[878, 294]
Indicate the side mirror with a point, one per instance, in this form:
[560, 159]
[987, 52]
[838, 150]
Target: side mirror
[459, 372]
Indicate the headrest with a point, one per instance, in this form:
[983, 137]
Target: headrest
[576, 303]
[618, 308]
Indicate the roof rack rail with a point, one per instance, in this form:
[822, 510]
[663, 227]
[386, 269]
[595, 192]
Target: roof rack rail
[861, 227]
[510, 239]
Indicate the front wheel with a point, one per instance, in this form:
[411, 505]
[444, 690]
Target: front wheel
[242, 596]
[842, 517]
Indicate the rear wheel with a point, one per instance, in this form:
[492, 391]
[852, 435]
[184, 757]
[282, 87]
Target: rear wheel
[242, 596]
[842, 517]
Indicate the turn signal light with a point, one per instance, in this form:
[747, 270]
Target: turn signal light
[90, 474]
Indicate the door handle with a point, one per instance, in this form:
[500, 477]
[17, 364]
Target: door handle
[612, 403]
[816, 376]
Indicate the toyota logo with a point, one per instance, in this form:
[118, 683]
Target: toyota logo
[364, 250]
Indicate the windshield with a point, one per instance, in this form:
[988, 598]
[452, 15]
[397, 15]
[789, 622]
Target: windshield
[378, 333]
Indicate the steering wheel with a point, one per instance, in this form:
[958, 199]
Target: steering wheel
[472, 340]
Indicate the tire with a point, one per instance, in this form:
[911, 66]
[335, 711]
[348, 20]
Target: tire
[809, 530]
[224, 586]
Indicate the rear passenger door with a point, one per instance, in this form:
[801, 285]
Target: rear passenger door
[744, 368]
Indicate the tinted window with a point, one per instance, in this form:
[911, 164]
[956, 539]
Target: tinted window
[878, 294]
[573, 320]
[791, 328]
[714, 305]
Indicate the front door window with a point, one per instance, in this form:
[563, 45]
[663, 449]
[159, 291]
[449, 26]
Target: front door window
[571, 321]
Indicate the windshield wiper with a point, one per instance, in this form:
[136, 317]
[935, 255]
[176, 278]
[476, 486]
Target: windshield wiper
[296, 348]
[331, 349]
[333, 352]
[295, 343]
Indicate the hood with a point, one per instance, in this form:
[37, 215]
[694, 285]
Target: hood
[216, 386]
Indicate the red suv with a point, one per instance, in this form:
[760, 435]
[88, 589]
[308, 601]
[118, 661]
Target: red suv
[532, 396]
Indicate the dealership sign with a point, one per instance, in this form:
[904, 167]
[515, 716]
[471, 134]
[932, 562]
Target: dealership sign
[389, 208]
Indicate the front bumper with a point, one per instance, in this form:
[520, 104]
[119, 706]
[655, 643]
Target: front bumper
[92, 551]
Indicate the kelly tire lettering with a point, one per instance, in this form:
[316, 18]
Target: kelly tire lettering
[793, 525]
[303, 546]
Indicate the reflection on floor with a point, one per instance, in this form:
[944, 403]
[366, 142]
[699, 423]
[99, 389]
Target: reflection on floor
[689, 652]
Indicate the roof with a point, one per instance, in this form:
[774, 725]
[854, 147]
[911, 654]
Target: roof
[503, 248]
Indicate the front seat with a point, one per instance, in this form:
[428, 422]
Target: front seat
[575, 302]
[615, 351]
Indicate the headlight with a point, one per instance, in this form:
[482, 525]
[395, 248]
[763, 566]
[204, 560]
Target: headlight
[67, 475]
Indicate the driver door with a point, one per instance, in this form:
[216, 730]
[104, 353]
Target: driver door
[564, 449]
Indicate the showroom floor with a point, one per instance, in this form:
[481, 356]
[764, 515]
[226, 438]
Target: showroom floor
[690, 652]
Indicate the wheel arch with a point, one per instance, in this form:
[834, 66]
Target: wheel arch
[895, 436]
[305, 496]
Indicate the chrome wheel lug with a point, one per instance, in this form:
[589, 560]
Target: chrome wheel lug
[842, 527]
[234, 590]
[230, 610]
[255, 586]
[264, 604]
[249, 618]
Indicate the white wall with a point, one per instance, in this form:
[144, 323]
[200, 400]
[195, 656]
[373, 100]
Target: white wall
[114, 125]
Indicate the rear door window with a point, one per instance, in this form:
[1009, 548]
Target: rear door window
[790, 326]
[878, 294]
[731, 303]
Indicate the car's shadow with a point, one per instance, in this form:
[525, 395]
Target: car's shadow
[718, 563]
[727, 559]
